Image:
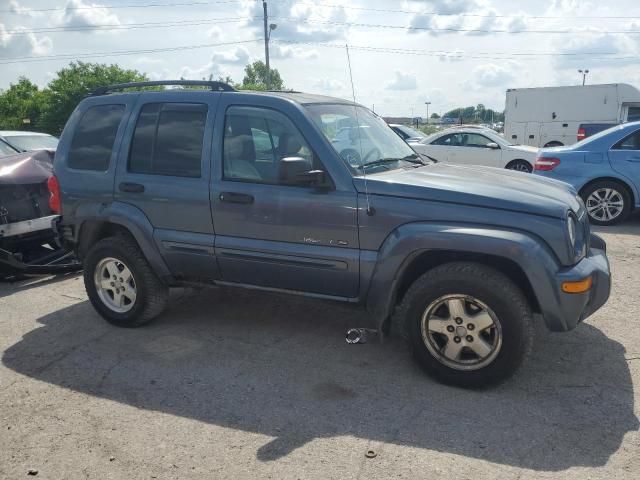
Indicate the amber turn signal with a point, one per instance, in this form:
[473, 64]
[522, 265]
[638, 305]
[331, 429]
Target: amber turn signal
[580, 286]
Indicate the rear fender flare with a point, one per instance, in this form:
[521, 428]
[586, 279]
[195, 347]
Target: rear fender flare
[134, 221]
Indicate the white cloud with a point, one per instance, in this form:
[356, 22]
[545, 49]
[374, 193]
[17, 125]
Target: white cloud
[237, 56]
[18, 43]
[214, 33]
[402, 81]
[288, 51]
[596, 50]
[491, 75]
[80, 14]
[328, 85]
[15, 7]
[298, 21]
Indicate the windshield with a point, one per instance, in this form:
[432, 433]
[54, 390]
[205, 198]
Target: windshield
[6, 149]
[32, 142]
[365, 141]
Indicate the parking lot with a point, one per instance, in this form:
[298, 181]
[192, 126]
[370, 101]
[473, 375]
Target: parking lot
[245, 385]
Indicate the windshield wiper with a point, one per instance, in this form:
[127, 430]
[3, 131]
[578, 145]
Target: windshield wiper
[413, 158]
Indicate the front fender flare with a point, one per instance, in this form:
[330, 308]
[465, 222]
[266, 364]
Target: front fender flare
[409, 241]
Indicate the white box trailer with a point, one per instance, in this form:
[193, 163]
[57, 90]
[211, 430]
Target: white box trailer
[553, 116]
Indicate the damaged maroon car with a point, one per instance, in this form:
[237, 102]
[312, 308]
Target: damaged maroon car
[28, 213]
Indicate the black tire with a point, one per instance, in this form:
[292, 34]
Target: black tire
[554, 143]
[619, 188]
[151, 293]
[520, 166]
[493, 289]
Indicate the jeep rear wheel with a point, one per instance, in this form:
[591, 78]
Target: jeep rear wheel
[120, 283]
[468, 324]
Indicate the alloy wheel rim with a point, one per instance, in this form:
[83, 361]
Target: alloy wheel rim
[520, 167]
[605, 204]
[115, 285]
[461, 332]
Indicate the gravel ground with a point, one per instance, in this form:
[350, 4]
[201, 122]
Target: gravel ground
[234, 384]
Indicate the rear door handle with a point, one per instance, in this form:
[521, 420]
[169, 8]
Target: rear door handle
[233, 197]
[131, 187]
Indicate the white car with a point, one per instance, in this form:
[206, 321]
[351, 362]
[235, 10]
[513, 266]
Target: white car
[476, 146]
[24, 141]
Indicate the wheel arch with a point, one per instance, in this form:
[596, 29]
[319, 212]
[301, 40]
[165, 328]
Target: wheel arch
[511, 162]
[98, 222]
[553, 143]
[414, 248]
[623, 182]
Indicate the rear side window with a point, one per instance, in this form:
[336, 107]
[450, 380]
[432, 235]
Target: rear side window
[168, 139]
[94, 137]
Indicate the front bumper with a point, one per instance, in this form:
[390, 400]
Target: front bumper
[573, 308]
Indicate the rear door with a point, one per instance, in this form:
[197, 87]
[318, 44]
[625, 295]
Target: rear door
[164, 170]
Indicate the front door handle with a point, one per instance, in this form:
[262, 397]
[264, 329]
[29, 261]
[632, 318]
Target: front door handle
[131, 187]
[233, 197]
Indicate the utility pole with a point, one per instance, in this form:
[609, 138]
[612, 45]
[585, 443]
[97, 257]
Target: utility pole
[266, 44]
[427, 104]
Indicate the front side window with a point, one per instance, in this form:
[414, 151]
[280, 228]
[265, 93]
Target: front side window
[94, 137]
[475, 140]
[263, 146]
[361, 138]
[630, 142]
[168, 139]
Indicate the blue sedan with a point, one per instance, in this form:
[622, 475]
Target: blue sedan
[604, 169]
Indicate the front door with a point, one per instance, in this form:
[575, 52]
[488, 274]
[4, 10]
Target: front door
[164, 169]
[472, 149]
[271, 230]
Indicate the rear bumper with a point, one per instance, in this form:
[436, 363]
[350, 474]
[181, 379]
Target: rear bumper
[27, 226]
[572, 308]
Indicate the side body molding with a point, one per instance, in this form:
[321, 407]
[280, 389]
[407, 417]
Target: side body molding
[411, 240]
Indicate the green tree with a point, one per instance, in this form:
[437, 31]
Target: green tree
[435, 115]
[255, 77]
[73, 83]
[21, 106]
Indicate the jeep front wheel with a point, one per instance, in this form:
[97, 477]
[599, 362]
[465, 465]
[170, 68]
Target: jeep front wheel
[468, 324]
[121, 284]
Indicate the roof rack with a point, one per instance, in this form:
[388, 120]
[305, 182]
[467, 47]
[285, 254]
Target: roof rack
[213, 85]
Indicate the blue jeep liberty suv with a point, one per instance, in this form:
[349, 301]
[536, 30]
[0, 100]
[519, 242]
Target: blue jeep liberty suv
[313, 195]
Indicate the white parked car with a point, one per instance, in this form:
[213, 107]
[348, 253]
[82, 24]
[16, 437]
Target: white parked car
[476, 146]
[25, 141]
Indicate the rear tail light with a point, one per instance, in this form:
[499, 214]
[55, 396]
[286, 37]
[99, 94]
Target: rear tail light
[582, 134]
[546, 163]
[54, 194]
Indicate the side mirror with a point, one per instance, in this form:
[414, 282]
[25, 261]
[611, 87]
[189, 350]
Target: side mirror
[298, 171]
[493, 145]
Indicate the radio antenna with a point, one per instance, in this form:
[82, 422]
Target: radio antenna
[355, 110]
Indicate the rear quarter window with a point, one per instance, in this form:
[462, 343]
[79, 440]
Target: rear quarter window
[94, 137]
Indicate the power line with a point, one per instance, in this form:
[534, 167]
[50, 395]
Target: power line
[458, 54]
[114, 7]
[130, 26]
[316, 5]
[74, 56]
[441, 14]
[468, 30]
[364, 48]
[197, 22]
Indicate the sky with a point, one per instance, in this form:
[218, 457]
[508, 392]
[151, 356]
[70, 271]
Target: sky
[451, 53]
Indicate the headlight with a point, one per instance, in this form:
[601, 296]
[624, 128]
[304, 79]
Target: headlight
[571, 230]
